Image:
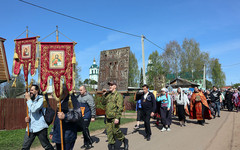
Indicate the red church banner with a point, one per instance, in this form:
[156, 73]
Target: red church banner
[57, 63]
[24, 56]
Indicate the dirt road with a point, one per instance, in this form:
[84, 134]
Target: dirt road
[218, 134]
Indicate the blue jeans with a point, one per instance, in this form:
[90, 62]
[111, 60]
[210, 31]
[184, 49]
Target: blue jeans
[217, 108]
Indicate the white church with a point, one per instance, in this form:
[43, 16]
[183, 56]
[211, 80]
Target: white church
[94, 71]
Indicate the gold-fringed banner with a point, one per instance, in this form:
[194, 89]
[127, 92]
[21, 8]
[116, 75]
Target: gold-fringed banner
[25, 56]
[57, 63]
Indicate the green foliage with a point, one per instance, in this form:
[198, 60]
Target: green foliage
[98, 102]
[171, 58]
[154, 68]
[11, 92]
[133, 75]
[216, 73]
[78, 81]
[192, 59]
[208, 84]
[236, 85]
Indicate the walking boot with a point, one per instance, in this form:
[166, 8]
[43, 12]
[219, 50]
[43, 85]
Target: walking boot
[111, 146]
[125, 143]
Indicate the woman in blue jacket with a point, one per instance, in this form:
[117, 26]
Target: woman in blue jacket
[165, 110]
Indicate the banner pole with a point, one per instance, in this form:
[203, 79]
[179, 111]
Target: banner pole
[60, 108]
[27, 87]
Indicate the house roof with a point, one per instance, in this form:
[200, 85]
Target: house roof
[179, 82]
[4, 73]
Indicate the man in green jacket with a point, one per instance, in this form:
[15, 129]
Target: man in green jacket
[114, 108]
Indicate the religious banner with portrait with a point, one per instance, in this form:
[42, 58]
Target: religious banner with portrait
[57, 62]
[25, 56]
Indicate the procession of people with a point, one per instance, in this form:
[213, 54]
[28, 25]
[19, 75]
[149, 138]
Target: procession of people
[199, 105]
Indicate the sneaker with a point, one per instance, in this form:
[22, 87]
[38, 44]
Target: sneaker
[168, 129]
[163, 129]
[136, 127]
[84, 146]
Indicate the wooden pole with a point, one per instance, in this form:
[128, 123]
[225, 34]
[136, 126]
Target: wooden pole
[27, 88]
[60, 108]
[143, 60]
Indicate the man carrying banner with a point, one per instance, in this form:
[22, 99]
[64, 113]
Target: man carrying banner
[37, 125]
[69, 118]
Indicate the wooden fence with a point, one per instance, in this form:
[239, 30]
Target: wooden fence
[13, 112]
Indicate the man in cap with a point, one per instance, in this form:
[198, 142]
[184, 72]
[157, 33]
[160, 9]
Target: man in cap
[114, 109]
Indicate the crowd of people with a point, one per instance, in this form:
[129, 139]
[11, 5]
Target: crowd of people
[77, 111]
[199, 104]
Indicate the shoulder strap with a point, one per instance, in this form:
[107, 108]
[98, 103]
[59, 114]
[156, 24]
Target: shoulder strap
[46, 97]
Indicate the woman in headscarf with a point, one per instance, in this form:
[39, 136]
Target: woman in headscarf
[165, 110]
[236, 100]
[182, 103]
[228, 98]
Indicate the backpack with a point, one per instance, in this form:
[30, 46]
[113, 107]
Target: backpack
[49, 113]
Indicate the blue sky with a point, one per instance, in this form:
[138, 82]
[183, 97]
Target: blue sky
[214, 24]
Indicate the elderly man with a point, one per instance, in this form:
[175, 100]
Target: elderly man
[114, 109]
[148, 102]
[37, 125]
[87, 105]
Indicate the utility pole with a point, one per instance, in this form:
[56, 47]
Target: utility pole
[57, 35]
[204, 77]
[143, 61]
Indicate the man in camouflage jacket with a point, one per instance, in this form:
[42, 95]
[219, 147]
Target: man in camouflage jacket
[114, 109]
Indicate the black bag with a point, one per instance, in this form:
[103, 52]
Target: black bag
[49, 113]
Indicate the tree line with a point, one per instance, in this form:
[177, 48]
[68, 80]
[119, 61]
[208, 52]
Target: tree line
[186, 61]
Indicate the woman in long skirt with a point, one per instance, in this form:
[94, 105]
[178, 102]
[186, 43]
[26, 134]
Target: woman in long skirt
[165, 110]
[182, 103]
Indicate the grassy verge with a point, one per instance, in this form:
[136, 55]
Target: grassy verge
[130, 111]
[13, 139]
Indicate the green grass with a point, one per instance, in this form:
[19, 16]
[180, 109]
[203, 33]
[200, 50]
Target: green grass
[130, 111]
[13, 139]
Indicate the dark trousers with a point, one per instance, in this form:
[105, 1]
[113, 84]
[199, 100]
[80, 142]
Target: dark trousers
[146, 119]
[85, 131]
[181, 113]
[42, 136]
[67, 146]
[203, 115]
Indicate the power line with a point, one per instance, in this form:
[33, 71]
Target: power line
[59, 13]
[154, 44]
[232, 65]
[101, 26]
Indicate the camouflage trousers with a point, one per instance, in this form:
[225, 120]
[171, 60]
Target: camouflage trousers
[113, 131]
